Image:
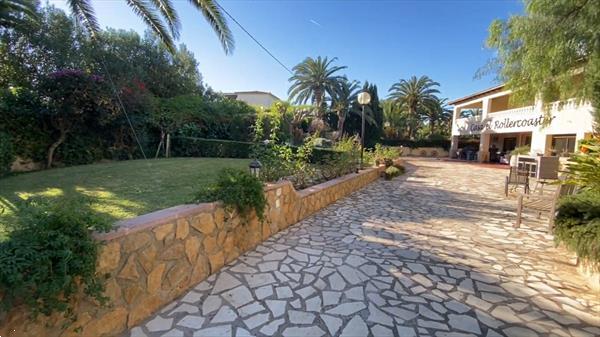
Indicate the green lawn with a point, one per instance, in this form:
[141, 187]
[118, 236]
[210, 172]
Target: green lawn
[119, 190]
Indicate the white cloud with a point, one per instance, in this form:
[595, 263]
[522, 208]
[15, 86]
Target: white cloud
[314, 22]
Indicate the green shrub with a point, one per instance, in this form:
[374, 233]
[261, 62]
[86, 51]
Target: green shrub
[584, 167]
[578, 225]
[393, 171]
[275, 160]
[237, 189]
[6, 153]
[443, 143]
[401, 168]
[80, 149]
[338, 165]
[525, 149]
[385, 154]
[49, 254]
[216, 148]
[320, 155]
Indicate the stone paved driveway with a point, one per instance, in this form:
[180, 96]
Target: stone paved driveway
[430, 254]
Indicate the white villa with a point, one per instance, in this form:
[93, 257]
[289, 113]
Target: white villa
[487, 118]
[255, 98]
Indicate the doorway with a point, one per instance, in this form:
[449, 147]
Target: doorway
[509, 144]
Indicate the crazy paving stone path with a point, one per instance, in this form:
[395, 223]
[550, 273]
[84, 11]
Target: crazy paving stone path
[431, 253]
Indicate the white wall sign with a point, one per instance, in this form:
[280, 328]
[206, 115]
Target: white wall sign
[503, 124]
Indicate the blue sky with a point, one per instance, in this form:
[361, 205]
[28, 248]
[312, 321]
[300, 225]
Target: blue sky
[379, 41]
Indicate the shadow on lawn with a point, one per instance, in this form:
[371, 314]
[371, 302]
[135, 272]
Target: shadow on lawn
[103, 203]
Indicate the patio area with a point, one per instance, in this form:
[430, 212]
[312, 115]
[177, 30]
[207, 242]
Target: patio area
[432, 253]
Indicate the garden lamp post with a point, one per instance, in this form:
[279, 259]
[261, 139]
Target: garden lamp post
[363, 99]
[255, 166]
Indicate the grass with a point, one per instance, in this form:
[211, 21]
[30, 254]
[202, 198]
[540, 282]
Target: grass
[117, 190]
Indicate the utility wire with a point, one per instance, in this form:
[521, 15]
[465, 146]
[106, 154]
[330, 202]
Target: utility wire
[253, 38]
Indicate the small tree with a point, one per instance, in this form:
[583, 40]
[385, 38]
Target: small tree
[551, 51]
[72, 97]
[170, 115]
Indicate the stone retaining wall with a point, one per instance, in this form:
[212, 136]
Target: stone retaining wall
[590, 273]
[155, 258]
[433, 152]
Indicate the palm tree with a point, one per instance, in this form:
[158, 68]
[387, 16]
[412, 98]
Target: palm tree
[413, 94]
[436, 112]
[343, 97]
[396, 121]
[14, 13]
[157, 13]
[313, 79]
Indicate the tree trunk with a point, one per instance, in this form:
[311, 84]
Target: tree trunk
[341, 121]
[318, 102]
[168, 147]
[410, 123]
[431, 126]
[54, 146]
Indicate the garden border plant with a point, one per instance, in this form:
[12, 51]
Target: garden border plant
[393, 171]
[49, 255]
[577, 224]
[238, 190]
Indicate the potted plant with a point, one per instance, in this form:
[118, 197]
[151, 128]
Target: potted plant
[514, 154]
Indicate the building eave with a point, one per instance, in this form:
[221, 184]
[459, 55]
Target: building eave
[253, 92]
[478, 94]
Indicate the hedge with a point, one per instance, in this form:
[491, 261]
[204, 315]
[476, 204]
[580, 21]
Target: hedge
[221, 148]
[443, 143]
[217, 148]
[578, 225]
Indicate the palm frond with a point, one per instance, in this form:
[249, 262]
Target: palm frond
[17, 7]
[147, 13]
[84, 13]
[213, 14]
[170, 15]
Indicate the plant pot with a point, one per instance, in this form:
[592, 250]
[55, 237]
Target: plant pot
[514, 159]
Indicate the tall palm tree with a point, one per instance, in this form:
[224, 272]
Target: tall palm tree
[161, 17]
[314, 80]
[395, 118]
[14, 13]
[436, 112]
[344, 95]
[413, 94]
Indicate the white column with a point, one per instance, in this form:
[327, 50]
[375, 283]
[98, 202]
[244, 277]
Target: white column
[484, 139]
[484, 147]
[453, 146]
[455, 133]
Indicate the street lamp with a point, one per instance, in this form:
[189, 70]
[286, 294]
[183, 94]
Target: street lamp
[255, 167]
[363, 99]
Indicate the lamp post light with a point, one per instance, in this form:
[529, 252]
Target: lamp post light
[255, 167]
[363, 99]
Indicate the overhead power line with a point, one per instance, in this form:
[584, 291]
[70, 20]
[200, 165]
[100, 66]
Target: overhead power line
[253, 38]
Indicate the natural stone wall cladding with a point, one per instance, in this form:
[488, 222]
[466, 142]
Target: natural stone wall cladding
[155, 258]
[433, 152]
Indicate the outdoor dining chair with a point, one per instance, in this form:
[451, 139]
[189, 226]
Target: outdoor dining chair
[515, 178]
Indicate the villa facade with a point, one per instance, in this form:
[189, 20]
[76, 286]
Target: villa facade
[255, 98]
[486, 126]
